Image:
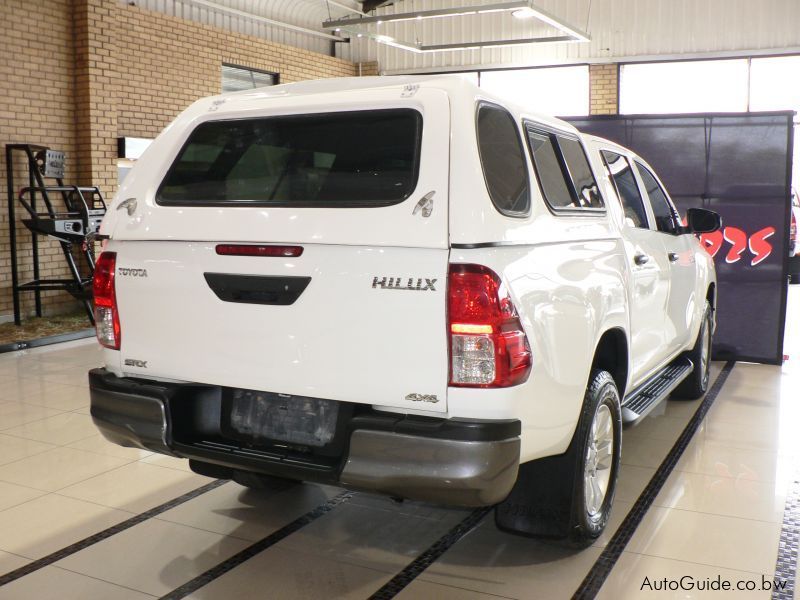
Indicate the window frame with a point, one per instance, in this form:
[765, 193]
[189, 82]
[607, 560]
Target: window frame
[553, 133]
[648, 224]
[276, 76]
[679, 228]
[419, 118]
[521, 145]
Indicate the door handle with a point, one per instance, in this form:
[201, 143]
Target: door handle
[673, 257]
[641, 259]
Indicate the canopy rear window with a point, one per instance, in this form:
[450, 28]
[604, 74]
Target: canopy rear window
[365, 158]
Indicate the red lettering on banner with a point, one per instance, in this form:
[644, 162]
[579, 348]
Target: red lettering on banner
[739, 241]
[712, 242]
[760, 248]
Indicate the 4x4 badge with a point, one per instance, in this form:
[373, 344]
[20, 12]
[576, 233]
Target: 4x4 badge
[397, 283]
[422, 398]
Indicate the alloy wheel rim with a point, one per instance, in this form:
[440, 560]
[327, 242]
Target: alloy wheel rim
[599, 458]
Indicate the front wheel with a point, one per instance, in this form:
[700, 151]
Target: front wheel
[696, 384]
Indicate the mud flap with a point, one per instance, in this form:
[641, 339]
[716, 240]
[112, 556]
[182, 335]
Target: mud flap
[541, 502]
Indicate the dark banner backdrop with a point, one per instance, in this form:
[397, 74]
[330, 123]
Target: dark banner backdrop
[739, 165]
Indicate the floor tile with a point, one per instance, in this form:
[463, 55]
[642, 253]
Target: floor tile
[489, 561]
[721, 541]
[100, 445]
[60, 397]
[12, 494]
[642, 451]
[52, 582]
[756, 435]
[420, 590]
[635, 575]
[248, 514]
[57, 468]
[60, 429]
[169, 462]
[14, 448]
[721, 495]
[46, 524]
[166, 556]
[658, 428]
[372, 538]
[10, 562]
[711, 458]
[135, 487]
[14, 414]
[632, 480]
[291, 575]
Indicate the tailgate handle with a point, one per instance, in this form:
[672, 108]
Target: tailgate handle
[256, 289]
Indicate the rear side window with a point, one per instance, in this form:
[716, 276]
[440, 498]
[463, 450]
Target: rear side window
[503, 161]
[368, 158]
[625, 183]
[563, 171]
[666, 218]
[549, 170]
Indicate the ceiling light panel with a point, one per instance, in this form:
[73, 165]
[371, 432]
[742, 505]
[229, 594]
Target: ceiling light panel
[520, 9]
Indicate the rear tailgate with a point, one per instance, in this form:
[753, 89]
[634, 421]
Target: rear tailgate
[359, 316]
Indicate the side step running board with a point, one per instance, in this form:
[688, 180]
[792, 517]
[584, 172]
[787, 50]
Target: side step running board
[648, 395]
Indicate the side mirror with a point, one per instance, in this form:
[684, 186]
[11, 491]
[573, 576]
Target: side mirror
[700, 220]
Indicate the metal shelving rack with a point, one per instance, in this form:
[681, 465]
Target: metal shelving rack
[84, 208]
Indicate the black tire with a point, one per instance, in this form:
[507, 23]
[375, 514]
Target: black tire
[549, 499]
[696, 384]
[601, 395]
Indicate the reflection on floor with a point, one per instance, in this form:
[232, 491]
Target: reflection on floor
[718, 515]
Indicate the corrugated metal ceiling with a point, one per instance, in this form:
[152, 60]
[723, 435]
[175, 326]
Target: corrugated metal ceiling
[308, 14]
[620, 29]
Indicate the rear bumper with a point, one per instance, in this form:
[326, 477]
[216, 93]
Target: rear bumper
[447, 461]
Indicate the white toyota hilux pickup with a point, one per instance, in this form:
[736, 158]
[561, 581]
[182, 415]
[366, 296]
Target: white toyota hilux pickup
[403, 285]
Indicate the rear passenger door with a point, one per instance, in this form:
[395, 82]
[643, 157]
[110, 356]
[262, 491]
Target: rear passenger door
[679, 251]
[650, 271]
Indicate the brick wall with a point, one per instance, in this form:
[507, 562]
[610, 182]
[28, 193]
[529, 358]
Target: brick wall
[165, 63]
[102, 70]
[604, 89]
[36, 106]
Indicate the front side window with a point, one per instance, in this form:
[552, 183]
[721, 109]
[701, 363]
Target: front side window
[563, 171]
[666, 217]
[625, 183]
[367, 158]
[503, 161]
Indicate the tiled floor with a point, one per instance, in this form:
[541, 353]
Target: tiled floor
[718, 515]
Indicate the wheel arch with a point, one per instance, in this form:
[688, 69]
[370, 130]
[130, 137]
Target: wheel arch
[611, 354]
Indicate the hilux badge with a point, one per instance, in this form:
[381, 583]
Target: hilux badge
[414, 284]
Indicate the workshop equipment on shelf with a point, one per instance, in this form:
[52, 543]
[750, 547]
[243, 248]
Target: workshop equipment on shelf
[76, 224]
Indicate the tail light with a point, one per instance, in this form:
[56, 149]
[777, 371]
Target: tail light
[793, 228]
[488, 347]
[106, 315]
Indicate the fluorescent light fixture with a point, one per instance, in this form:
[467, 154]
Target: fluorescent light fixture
[520, 9]
[523, 13]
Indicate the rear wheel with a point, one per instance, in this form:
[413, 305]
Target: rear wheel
[569, 497]
[696, 384]
[597, 472]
